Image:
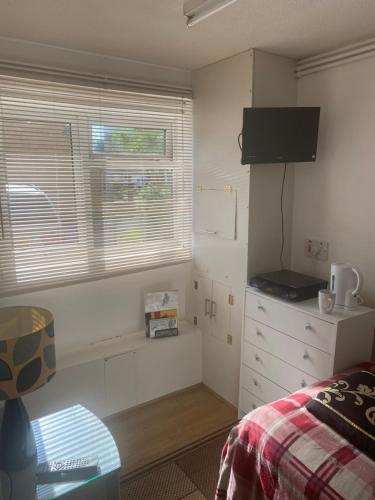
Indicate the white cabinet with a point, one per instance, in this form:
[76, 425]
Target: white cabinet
[168, 365]
[212, 308]
[202, 302]
[116, 374]
[120, 382]
[80, 384]
[220, 311]
[286, 346]
[248, 402]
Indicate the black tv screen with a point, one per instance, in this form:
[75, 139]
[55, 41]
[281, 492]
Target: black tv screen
[279, 135]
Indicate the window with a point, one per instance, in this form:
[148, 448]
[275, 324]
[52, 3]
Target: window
[128, 140]
[93, 182]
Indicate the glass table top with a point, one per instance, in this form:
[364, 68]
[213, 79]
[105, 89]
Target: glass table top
[73, 432]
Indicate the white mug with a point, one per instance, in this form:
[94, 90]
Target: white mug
[326, 301]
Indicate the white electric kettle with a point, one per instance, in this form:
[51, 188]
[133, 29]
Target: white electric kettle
[346, 283]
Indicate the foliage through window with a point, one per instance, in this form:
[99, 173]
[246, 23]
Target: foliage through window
[128, 140]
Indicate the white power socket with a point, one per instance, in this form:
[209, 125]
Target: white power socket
[316, 249]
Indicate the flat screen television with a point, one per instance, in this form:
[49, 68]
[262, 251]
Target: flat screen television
[279, 135]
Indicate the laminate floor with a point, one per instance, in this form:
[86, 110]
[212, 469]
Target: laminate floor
[154, 432]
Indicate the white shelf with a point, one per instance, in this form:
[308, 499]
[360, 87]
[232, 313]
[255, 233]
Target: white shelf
[115, 346]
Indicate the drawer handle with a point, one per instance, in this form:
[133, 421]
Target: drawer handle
[306, 355]
[255, 382]
[257, 358]
[308, 327]
[254, 406]
[260, 307]
[259, 333]
[207, 303]
[213, 309]
[303, 383]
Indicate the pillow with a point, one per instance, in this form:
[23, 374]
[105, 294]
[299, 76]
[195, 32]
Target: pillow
[348, 407]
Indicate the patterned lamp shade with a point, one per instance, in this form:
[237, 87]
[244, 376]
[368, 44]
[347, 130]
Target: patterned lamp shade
[27, 350]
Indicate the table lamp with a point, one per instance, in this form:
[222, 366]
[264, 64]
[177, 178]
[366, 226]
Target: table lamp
[27, 362]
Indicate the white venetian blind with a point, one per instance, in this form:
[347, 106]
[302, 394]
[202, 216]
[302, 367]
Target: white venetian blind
[93, 182]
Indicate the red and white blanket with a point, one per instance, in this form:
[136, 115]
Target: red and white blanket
[281, 451]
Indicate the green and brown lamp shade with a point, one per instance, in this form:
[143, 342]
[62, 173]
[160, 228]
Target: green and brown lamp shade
[27, 350]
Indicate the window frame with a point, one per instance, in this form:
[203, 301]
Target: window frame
[85, 124]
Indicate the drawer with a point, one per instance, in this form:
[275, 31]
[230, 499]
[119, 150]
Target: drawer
[308, 359]
[287, 376]
[260, 386]
[282, 317]
[249, 402]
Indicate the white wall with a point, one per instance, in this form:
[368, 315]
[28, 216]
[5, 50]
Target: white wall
[98, 309]
[334, 197]
[31, 53]
[220, 91]
[274, 85]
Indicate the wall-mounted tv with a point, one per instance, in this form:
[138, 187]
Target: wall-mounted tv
[279, 135]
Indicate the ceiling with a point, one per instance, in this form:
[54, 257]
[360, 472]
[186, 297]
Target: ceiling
[154, 31]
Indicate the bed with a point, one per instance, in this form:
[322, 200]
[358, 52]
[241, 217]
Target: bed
[281, 451]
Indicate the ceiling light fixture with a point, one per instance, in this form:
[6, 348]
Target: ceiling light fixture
[196, 13]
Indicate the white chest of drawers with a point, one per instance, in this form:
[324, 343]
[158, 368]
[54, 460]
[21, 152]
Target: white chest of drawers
[286, 346]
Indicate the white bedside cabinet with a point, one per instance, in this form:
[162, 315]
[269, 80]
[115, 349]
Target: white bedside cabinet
[286, 346]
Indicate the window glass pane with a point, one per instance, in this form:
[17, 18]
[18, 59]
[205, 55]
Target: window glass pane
[42, 199]
[41, 184]
[133, 206]
[128, 140]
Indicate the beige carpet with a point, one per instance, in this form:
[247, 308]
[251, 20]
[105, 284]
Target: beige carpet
[190, 475]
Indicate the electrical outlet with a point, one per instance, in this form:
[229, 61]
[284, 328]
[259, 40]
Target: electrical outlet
[316, 249]
[229, 339]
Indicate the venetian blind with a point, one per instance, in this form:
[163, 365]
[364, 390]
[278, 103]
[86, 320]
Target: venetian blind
[93, 182]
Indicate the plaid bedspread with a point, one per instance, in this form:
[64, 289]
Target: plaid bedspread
[281, 451]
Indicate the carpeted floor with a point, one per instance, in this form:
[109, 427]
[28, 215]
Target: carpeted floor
[189, 475]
